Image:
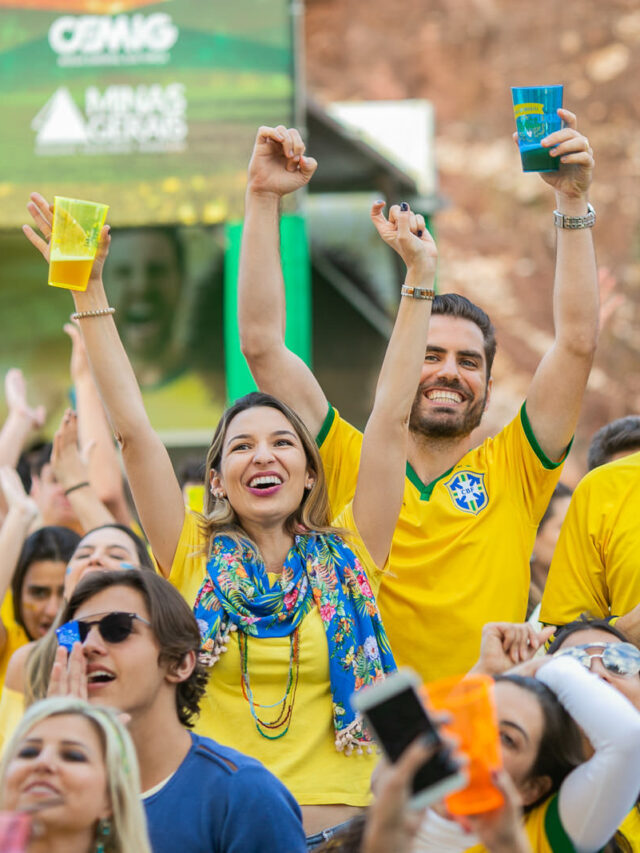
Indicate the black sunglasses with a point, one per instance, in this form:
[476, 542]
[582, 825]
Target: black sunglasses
[114, 628]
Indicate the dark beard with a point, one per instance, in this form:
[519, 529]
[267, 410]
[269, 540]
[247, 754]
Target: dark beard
[437, 428]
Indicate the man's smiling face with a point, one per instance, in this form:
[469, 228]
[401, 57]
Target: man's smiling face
[453, 391]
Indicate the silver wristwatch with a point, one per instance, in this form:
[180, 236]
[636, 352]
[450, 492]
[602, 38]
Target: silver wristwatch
[560, 220]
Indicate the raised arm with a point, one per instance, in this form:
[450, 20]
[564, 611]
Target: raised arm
[611, 777]
[15, 529]
[153, 483]
[21, 419]
[555, 395]
[278, 167]
[103, 462]
[378, 496]
[72, 472]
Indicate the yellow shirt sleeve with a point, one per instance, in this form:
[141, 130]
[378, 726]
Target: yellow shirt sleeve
[527, 468]
[11, 711]
[577, 580]
[340, 445]
[189, 566]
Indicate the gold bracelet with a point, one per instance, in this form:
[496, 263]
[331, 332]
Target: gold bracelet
[99, 312]
[417, 292]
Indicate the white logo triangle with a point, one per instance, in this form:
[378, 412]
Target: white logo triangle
[60, 122]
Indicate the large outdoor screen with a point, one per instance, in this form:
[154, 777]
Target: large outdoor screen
[150, 107]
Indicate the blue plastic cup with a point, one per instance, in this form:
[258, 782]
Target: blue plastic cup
[536, 113]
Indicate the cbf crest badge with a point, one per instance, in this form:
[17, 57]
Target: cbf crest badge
[468, 492]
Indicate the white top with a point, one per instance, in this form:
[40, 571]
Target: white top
[608, 782]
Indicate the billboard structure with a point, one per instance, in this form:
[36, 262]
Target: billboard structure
[152, 108]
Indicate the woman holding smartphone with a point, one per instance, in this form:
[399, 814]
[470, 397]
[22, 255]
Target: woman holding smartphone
[285, 589]
[544, 707]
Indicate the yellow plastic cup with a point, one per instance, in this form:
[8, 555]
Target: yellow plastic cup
[74, 241]
[470, 703]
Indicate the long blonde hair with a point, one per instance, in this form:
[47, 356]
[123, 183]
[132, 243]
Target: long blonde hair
[313, 513]
[128, 823]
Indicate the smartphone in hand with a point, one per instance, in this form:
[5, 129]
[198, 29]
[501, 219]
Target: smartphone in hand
[396, 716]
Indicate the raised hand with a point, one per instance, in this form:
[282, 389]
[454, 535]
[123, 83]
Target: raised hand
[502, 830]
[407, 235]
[42, 214]
[14, 492]
[278, 165]
[68, 463]
[15, 392]
[505, 644]
[69, 673]
[573, 178]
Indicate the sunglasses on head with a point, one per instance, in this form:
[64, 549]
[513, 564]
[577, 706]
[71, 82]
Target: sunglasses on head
[617, 658]
[114, 628]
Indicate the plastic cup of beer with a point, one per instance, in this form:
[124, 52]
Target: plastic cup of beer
[536, 112]
[470, 704]
[74, 241]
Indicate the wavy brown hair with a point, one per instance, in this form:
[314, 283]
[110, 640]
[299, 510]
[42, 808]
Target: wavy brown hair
[314, 512]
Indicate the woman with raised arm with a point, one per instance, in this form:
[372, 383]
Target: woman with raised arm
[274, 583]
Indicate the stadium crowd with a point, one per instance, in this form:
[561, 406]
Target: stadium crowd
[182, 680]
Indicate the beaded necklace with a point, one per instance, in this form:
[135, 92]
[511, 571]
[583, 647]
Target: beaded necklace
[286, 711]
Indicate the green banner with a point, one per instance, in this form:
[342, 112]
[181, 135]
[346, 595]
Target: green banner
[152, 110]
[296, 268]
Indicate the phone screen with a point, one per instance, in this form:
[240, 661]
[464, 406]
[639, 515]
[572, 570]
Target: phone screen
[397, 722]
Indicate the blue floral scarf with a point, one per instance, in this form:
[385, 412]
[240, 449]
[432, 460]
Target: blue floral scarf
[322, 571]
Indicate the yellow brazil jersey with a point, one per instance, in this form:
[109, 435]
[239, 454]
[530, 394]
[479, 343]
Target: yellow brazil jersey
[305, 759]
[461, 548]
[16, 635]
[595, 564]
[544, 830]
[630, 832]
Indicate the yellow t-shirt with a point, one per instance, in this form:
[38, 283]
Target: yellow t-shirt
[544, 830]
[16, 635]
[461, 548]
[11, 711]
[630, 829]
[595, 564]
[305, 759]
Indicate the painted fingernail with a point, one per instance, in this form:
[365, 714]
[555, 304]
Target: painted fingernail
[404, 206]
[380, 201]
[419, 232]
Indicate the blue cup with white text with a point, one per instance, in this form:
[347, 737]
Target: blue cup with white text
[536, 112]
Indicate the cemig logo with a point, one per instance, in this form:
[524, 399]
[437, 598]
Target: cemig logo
[113, 40]
[116, 120]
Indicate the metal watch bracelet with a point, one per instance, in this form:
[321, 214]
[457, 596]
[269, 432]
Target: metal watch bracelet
[561, 220]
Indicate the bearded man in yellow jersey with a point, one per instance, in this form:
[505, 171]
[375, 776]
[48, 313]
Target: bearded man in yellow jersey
[460, 553]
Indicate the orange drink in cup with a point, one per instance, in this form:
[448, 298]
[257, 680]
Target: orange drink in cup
[470, 704]
[74, 241]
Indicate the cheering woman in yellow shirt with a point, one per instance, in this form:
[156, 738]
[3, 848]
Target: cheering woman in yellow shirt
[265, 559]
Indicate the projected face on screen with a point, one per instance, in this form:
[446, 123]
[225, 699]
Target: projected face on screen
[144, 278]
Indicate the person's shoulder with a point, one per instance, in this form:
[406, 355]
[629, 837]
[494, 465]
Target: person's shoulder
[625, 469]
[228, 760]
[14, 678]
